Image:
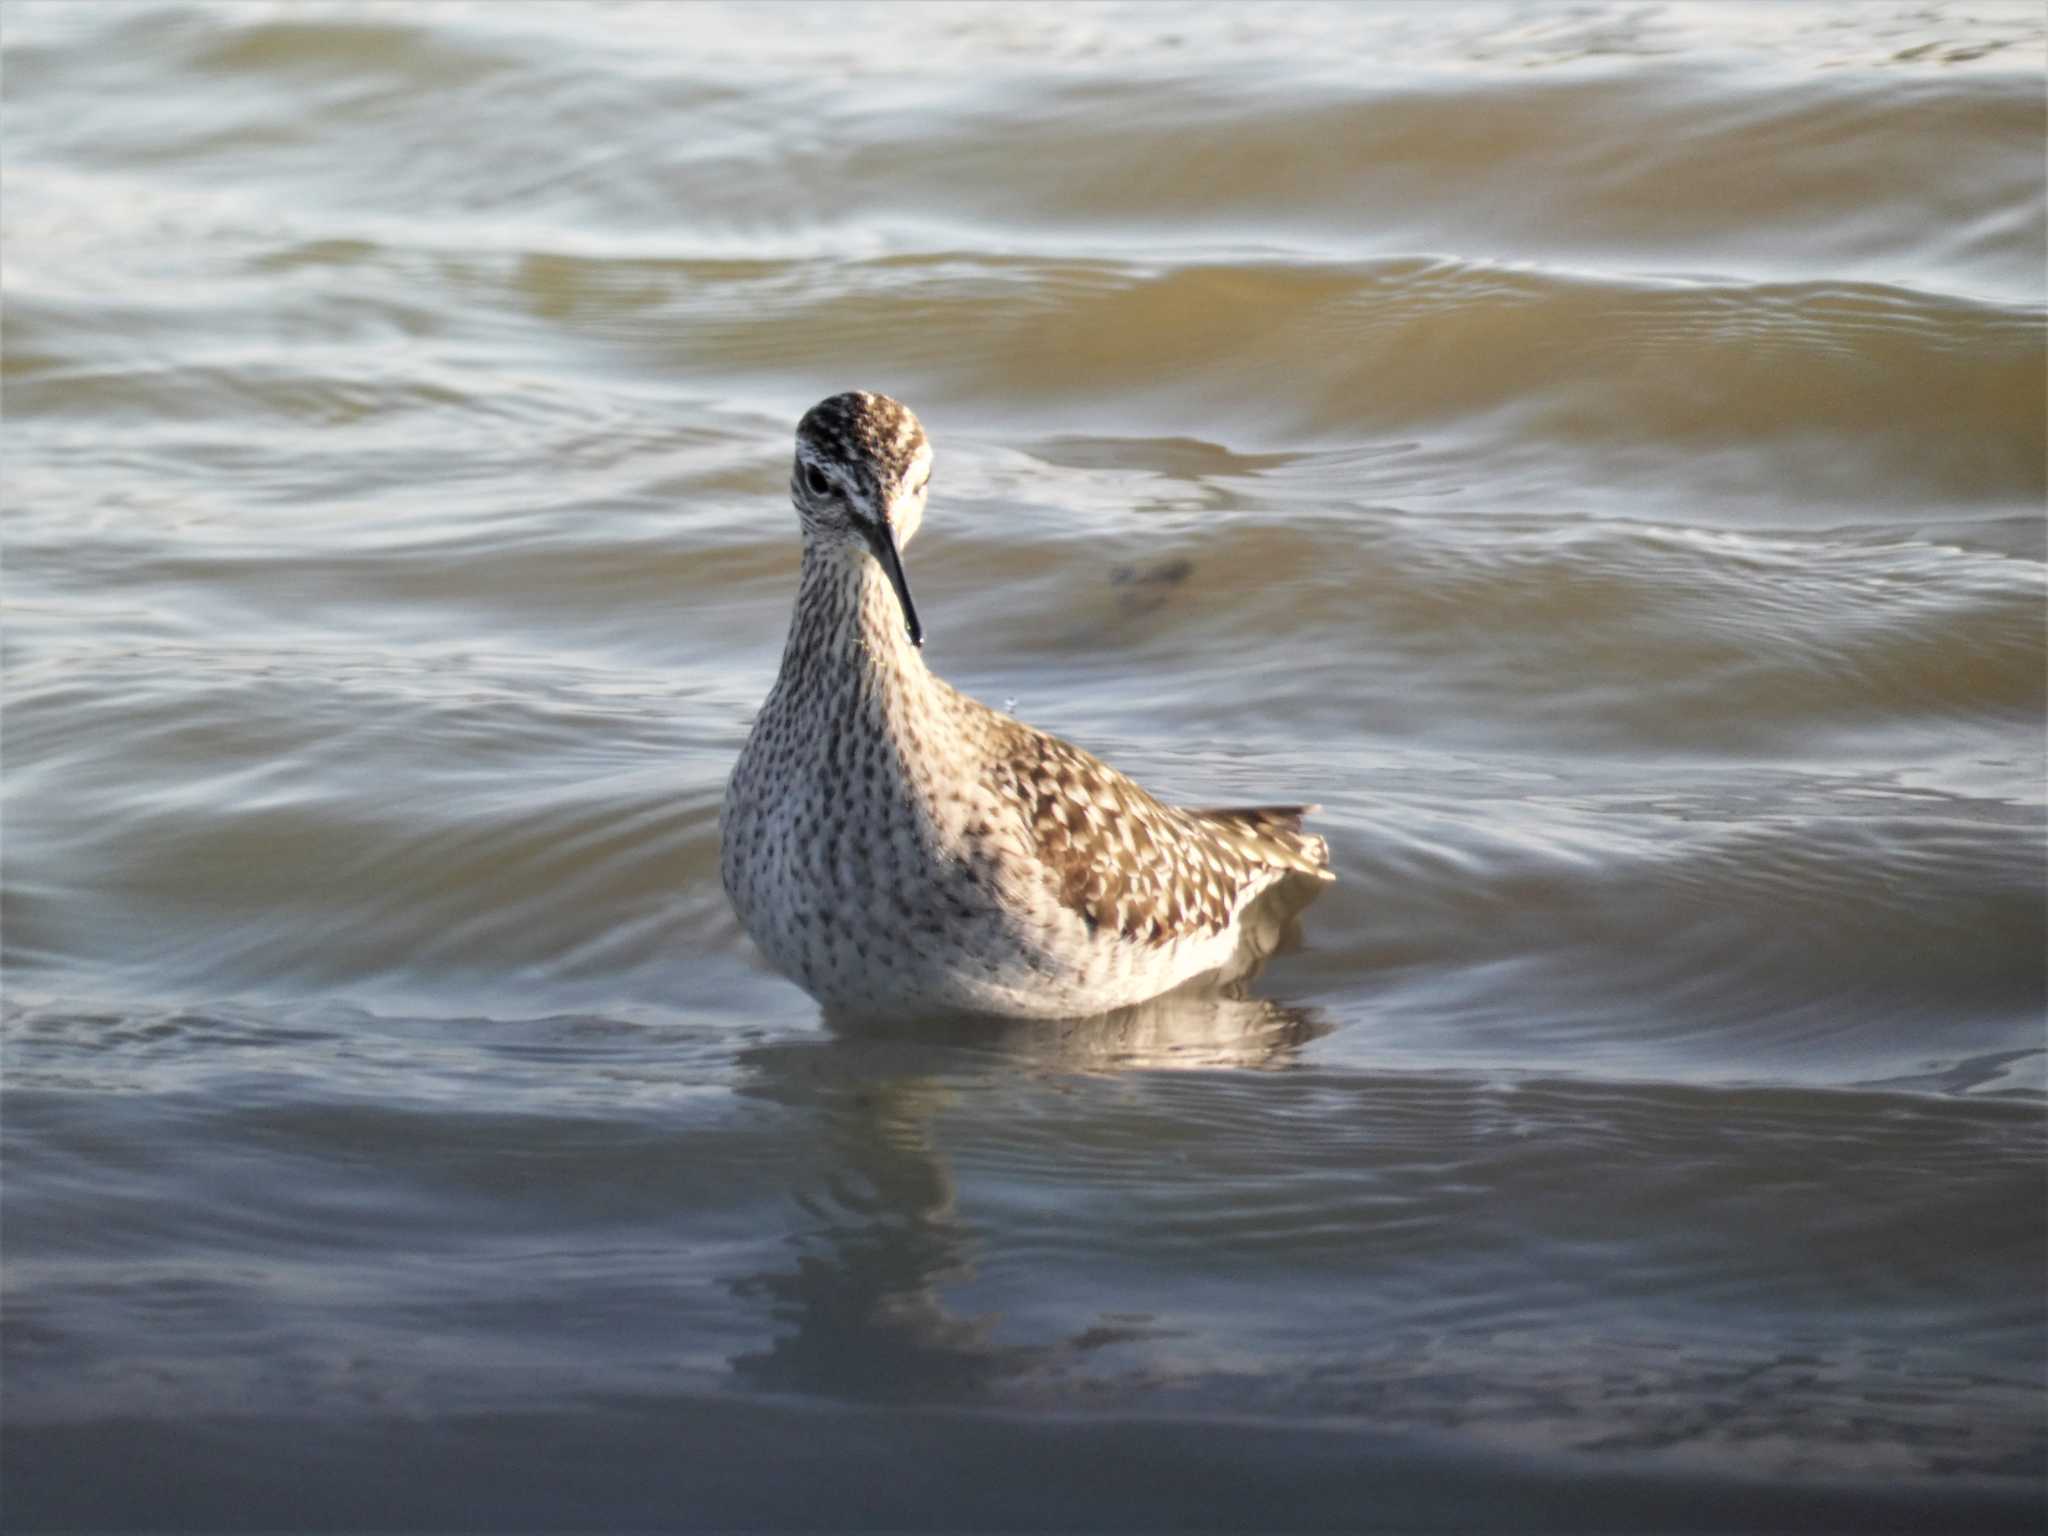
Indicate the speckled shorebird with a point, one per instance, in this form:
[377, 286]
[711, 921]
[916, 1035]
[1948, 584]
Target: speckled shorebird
[895, 846]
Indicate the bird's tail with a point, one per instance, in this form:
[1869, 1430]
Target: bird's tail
[1272, 834]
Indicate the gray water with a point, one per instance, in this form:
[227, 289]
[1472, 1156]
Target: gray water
[1598, 453]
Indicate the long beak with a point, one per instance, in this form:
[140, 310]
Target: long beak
[883, 541]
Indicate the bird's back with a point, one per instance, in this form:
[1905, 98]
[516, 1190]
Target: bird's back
[1125, 862]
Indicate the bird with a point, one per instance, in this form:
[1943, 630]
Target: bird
[899, 848]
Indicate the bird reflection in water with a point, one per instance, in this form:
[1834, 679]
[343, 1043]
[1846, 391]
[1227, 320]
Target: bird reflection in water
[862, 1312]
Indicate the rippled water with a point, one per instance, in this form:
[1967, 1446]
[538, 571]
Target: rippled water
[1598, 453]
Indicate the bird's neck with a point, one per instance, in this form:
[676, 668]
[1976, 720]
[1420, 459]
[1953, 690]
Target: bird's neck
[848, 629]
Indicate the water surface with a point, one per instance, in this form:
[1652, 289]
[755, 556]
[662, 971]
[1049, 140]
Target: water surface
[1596, 453]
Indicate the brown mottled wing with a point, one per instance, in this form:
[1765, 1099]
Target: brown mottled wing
[1150, 872]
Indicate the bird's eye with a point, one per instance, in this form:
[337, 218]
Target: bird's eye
[814, 477]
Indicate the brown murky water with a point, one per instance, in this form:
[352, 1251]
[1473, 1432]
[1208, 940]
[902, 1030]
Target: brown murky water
[1598, 453]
